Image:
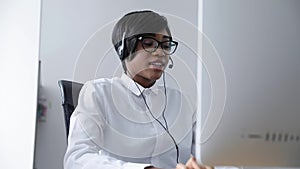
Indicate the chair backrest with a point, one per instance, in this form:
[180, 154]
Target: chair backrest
[69, 92]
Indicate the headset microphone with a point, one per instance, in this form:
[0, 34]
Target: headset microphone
[171, 64]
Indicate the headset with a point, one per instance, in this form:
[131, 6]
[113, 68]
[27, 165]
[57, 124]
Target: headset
[122, 48]
[122, 51]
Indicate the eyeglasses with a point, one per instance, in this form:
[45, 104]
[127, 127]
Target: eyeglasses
[150, 45]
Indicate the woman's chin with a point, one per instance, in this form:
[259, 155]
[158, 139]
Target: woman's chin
[156, 73]
[152, 74]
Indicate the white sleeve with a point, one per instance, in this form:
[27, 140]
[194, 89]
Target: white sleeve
[82, 153]
[86, 136]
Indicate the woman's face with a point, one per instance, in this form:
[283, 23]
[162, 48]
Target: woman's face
[146, 67]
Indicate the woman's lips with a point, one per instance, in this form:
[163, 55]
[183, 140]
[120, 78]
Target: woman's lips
[157, 65]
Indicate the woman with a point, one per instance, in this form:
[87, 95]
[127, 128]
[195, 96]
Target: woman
[131, 121]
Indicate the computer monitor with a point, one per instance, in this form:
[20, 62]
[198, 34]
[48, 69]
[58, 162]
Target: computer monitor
[260, 122]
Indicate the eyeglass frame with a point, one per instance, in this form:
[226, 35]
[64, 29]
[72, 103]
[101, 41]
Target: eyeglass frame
[141, 37]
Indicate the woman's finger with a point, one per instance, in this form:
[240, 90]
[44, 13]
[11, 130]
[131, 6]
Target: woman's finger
[180, 166]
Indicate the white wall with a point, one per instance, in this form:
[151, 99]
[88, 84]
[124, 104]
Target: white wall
[66, 27]
[19, 50]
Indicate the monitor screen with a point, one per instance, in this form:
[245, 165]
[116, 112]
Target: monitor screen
[258, 124]
[249, 109]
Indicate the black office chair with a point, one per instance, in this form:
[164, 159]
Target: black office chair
[69, 93]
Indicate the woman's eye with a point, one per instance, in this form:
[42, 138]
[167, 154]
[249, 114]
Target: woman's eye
[166, 46]
[148, 43]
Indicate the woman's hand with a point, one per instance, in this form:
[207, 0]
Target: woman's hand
[192, 164]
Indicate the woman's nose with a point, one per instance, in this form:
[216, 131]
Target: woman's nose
[159, 51]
